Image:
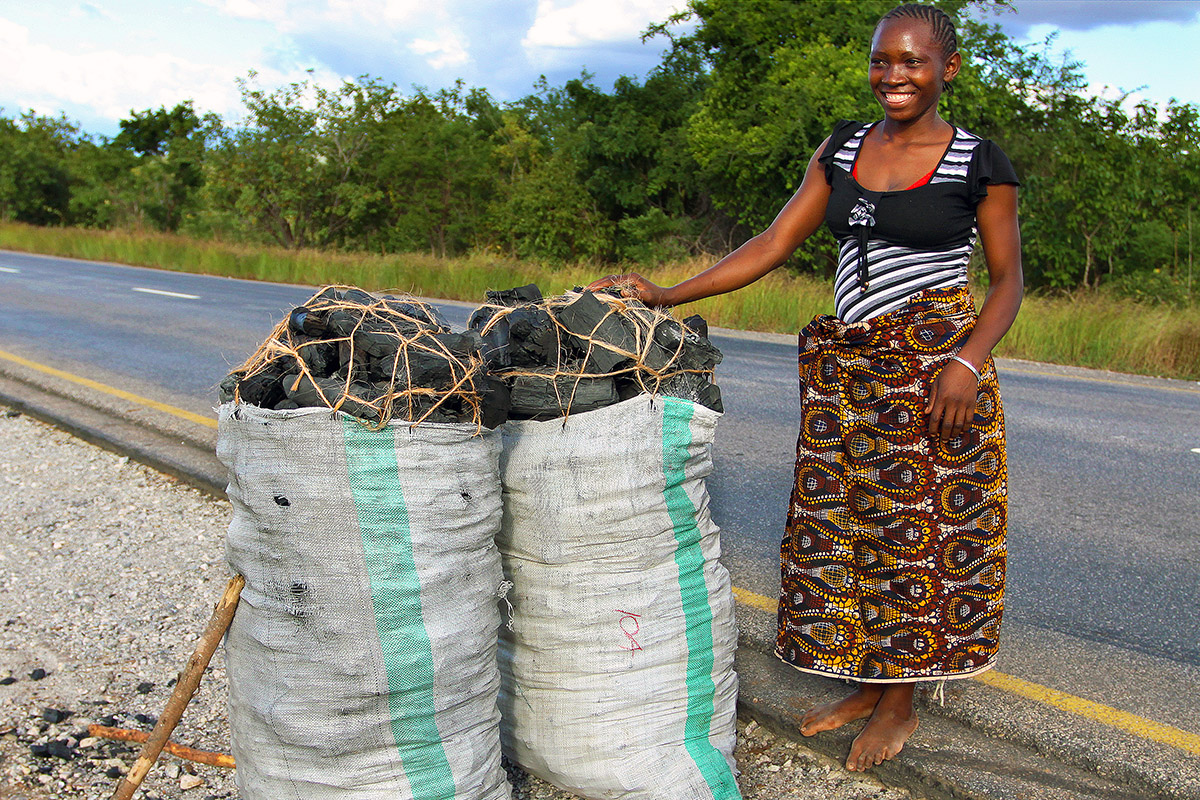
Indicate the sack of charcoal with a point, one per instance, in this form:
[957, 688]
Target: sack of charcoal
[362, 658]
[617, 668]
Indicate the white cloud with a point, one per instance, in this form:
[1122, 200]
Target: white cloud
[268, 10]
[109, 83]
[580, 23]
[447, 50]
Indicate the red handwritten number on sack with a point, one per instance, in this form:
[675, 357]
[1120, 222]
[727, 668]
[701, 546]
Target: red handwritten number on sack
[630, 625]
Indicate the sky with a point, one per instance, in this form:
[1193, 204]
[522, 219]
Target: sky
[98, 60]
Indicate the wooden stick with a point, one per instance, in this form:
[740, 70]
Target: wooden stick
[182, 751]
[189, 681]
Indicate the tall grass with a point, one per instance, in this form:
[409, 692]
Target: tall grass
[1087, 329]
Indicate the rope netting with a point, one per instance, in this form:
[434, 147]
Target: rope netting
[395, 359]
[610, 337]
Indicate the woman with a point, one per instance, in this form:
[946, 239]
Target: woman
[893, 561]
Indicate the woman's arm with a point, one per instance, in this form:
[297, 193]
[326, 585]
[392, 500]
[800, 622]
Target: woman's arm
[798, 220]
[951, 404]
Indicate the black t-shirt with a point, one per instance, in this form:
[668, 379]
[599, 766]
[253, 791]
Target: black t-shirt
[917, 238]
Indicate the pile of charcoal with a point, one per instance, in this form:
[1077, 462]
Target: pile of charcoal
[585, 350]
[375, 358]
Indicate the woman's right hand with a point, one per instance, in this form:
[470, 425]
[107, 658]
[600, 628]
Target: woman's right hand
[632, 285]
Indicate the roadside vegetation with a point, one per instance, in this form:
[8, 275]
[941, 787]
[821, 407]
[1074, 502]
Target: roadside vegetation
[1091, 328]
[656, 174]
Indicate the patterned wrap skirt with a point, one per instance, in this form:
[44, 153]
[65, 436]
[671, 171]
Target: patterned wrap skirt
[894, 557]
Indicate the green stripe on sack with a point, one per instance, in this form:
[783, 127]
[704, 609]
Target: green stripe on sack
[396, 594]
[697, 614]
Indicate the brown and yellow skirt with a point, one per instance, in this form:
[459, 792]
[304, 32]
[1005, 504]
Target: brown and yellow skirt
[894, 557]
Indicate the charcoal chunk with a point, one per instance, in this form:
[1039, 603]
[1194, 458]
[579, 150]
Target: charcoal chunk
[307, 321]
[320, 357]
[227, 387]
[495, 402]
[695, 387]
[535, 396]
[342, 322]
[697, 325]
[55, 715]
[263, 388]
[303, 391]
[428, 315]
[532, 338]
[520, 295]
[494, 343]
[589, 318]
[326, 296]
[359, 297]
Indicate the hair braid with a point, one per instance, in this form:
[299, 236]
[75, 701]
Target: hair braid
[939, 23]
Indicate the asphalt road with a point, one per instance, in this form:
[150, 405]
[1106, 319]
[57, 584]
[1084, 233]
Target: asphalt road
[1104, 532]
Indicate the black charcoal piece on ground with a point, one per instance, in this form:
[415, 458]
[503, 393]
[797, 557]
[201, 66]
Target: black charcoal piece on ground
[534, 396]
[590, 318]
[286, 405]
[532, 337]
[55, 715]
[520, 295]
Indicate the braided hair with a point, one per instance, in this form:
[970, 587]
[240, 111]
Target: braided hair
[940, 24]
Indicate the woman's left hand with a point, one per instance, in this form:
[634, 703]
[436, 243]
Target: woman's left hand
[951, 405]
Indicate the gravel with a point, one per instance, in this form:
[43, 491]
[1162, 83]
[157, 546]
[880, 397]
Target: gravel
[108, 574]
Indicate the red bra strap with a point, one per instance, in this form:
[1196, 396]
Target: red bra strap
[921, 182]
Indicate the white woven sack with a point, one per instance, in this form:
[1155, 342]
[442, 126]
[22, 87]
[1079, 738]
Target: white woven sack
[361, 659]
[617, 675]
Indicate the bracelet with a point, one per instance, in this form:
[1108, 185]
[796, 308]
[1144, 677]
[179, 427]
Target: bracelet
[968, 365]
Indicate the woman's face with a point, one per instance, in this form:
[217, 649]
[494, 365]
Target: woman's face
[908, 70]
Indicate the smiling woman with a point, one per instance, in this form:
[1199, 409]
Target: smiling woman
[893, 561]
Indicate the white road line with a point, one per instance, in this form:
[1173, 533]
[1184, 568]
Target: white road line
[167, 294]
[9, 269]
[1196, 450]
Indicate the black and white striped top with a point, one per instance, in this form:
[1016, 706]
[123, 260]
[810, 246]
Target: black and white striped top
[920, 238]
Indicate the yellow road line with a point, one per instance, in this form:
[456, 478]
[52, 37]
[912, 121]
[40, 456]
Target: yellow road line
[1130, 723]
[748, 598]
[110, 390]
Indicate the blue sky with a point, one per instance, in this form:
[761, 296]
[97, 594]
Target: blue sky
[96, 60]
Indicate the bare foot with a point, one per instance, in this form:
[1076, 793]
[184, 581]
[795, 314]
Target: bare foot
[859, 705]
[892, 722]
